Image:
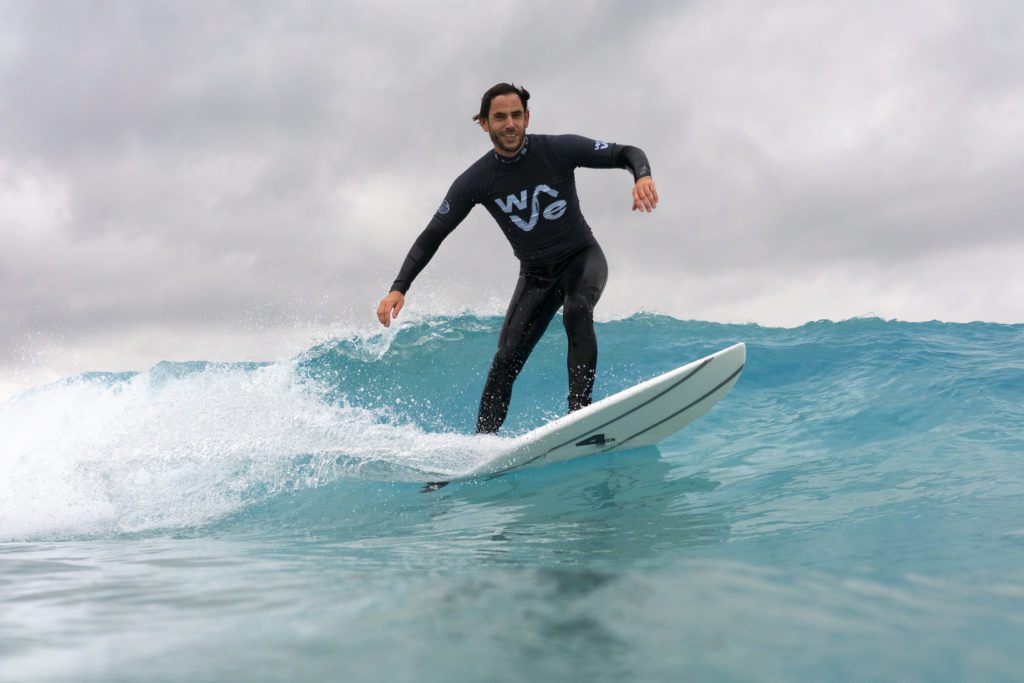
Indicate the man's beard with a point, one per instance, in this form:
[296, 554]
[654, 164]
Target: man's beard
[501, 144]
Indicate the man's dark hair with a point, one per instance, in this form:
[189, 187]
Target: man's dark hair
[497, 90]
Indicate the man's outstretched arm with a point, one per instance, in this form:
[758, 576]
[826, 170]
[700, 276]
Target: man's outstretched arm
[597, 154]
[423, 249]
[453, 210]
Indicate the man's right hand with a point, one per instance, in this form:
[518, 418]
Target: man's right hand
[389, 307]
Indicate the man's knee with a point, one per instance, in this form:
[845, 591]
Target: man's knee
[507, 358]
[578, 311]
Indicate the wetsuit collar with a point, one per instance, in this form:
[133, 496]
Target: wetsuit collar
[519, 155]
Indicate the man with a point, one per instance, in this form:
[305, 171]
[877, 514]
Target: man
[527, 184]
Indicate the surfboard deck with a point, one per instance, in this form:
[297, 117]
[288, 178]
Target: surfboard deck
[641, 415]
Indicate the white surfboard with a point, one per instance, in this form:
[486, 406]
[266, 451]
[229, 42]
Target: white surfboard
[639, 416]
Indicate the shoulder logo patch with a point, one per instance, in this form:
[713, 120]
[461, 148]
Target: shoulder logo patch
[600, 144]
[444, 208]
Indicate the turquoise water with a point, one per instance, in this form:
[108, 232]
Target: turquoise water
[853, 510]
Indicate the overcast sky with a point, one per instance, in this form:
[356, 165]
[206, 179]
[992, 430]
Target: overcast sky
[230, 181]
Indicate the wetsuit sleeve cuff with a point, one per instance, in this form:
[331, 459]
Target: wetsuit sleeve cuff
[635, 160]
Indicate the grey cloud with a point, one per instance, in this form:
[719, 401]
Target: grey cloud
[194, 165]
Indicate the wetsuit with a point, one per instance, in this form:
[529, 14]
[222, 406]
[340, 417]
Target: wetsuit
[533, 198]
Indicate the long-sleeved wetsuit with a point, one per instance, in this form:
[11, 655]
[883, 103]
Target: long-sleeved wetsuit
[532, 196]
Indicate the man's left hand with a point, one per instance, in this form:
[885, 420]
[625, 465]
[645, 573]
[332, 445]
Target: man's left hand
[645, 194]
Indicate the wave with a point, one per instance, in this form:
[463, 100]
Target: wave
[183, 445]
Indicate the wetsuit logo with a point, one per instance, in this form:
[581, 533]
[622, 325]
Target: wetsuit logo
[553, 211]
[444, 208]
[599, 145]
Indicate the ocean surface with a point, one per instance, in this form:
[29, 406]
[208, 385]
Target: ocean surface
[852, 510]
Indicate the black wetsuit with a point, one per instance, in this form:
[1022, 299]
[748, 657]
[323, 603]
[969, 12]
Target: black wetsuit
[533, 198]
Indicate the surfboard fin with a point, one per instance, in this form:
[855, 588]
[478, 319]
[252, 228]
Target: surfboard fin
[432, 486]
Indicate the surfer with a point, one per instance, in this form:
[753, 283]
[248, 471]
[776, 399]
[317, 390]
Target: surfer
[527, 184]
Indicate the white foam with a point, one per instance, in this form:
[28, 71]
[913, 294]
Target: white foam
[91, 456]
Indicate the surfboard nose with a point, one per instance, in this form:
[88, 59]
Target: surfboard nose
[737, 353]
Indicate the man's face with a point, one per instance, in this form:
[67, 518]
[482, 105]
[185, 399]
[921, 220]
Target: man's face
[506, 124]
